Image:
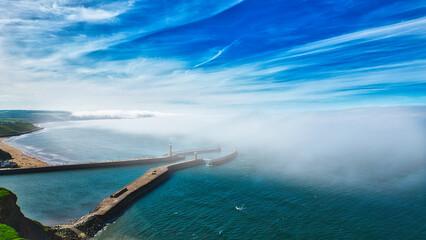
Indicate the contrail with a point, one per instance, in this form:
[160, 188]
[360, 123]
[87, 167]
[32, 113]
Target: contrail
[217, 55]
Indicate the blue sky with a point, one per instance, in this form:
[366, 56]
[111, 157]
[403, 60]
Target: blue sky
[177, 56]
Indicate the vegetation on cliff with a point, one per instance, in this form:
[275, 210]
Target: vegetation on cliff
[3, 194]
[31, 116]
[12, 220]
[15, 122]
[8, 233]
[9, 128]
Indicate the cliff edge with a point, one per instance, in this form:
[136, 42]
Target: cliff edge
[11, 215]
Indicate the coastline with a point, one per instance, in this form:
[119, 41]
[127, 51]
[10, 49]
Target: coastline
[38, 127]
[23, 160]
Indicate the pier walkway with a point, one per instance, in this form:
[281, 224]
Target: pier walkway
[88, 225]
[198, 151]
[175, 156]
[91, 165]
[224, 159]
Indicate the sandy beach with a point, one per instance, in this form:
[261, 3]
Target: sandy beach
[19, 157]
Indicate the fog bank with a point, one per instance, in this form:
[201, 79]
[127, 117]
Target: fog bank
[369, 147]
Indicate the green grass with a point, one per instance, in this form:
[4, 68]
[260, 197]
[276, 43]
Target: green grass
[33, 116]
[14, 122]
[10, 128]
[3, 193]
[8, 233]
[45, 228]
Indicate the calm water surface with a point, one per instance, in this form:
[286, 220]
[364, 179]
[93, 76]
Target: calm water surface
[239, 200]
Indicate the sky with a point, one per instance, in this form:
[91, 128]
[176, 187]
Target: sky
[221, 55]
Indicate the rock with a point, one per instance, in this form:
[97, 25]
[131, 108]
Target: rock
[11, 215]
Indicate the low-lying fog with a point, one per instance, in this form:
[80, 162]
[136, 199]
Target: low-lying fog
[382, 148]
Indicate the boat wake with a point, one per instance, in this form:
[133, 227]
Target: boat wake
[240, 208]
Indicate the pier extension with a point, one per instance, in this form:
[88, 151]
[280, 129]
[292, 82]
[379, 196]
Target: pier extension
[168, 158]
[88, 225]
[91, 165]
[224, 159]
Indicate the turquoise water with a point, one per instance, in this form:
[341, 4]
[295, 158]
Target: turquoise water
[244, 199]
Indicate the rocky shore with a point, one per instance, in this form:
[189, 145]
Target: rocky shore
[11, 215]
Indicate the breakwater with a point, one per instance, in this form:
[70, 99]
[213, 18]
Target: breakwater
[91, 165]
[88, 225]
[224, 159]
[175, 156]
[198, 151]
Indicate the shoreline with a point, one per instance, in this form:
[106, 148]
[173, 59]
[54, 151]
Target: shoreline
[23, 160]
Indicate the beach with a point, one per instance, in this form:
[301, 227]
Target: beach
[23, 160]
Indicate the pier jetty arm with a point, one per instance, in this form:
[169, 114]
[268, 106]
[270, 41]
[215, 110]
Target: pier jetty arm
[88, 225]
[224, 159]
[175, 156]
[198, 151]
[92, 165]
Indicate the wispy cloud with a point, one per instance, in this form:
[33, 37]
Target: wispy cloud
[413, 27]
[217, 54]
[48, 59]
[84, 14]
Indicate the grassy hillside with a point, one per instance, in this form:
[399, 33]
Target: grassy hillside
[8, 233]
[10, 116]
[15, 122]
[15, 128]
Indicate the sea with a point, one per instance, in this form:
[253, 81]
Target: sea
[243, 199]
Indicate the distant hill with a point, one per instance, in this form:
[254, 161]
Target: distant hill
[8, 129]
[37, 116]
[30, 116]
[16, 122]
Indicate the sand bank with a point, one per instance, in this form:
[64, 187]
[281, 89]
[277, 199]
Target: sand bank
[19, 157]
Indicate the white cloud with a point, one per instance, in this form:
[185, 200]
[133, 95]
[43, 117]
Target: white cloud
[412, 27]
[83, 14]
[53, 73]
